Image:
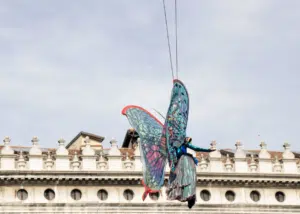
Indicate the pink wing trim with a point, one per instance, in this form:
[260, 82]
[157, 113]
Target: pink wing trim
[133, 106]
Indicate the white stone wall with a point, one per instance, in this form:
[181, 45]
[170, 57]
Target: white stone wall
[113, 172]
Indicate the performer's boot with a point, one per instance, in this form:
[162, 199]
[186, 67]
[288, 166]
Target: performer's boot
[191, 202]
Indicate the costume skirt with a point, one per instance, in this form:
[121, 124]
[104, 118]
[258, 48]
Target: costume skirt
[182, 183]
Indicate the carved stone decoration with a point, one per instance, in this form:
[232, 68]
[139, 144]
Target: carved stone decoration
[203, 165]
[21, 163]
[215, 159]
[228, 164]
[35, 150]
[264, 154]
[75, 162]
[49, 161]
[277, 167]
[298, 165]
[253, 165]
[128, 164]
[287, 154]
[114, 150]
[88, 150]
[7, 150]
[239, 153]
[102, 162]
[61, 150]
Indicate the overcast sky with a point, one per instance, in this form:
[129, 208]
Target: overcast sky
[70, 66]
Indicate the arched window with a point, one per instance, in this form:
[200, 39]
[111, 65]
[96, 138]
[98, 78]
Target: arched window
[154, 196]
[205, 195]
[49, 194]
[76, 194]
[22, 194]
[128, 194]
[280, 196]
[255, 196]
[102, 194]
[230, 195]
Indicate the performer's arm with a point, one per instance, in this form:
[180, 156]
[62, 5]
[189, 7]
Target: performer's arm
[196, 148]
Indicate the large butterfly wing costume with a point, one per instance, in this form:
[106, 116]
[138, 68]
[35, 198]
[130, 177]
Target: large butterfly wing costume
[174, 131]
[153, 152]
[159, 142]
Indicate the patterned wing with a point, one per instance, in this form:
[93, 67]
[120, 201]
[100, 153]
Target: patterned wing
[153, 152]
[174, 131]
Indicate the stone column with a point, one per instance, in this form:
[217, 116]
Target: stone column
[35, 156]
[265, 162]
[241, 164]
[289, 161]
[114, 157]
[7, 156]
[75, 163]
[21, 163]
[62, 161]
[88, 156]
[49, 162]
[128, 163]
[215, 160]
[102, 162]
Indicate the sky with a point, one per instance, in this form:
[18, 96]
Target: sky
[70, 66]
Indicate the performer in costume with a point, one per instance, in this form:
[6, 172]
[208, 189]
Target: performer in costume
[183, 179]
[159, 143]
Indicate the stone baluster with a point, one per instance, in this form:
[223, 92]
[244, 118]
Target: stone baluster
[7, 156]
[289, 160]
[265, 161]
[88, 156]
[137, 156]
[240, 160]
[102, 162]
[228, 165]
[127, 163]
[49, 162]
[21, 163]
[62, 161]
[114, 157]
[277, 166]
[202, 165]
[298, 166]
[215, 160]
[35, 156]
[253, 165]
[75, 163]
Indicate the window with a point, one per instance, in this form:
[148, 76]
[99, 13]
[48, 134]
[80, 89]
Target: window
[205, 195]
[102, 194]
[49, 194]
[154, 196]
[255, 196]
[128, 194]
[22, 194]
[76, 194]
[280, 196]
[230, 196]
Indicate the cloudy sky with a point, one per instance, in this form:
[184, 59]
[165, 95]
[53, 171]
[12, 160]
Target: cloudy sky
[68, 66]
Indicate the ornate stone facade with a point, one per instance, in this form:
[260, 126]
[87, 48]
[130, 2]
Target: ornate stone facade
[108, 181]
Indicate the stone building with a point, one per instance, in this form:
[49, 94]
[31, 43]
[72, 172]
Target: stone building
[85, 177]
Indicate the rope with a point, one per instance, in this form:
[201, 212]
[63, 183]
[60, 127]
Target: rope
[176, 38]
[168, 38]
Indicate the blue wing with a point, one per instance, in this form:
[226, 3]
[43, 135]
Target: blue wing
[153, 150]
[174, 131]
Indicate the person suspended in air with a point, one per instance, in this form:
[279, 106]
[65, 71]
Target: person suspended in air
[162, 143]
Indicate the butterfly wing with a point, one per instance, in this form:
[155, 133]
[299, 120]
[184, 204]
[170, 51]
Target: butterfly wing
[153, 152]
[174, 131]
